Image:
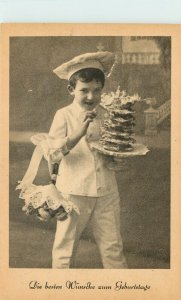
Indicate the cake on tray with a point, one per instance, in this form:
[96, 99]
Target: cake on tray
[117, 131]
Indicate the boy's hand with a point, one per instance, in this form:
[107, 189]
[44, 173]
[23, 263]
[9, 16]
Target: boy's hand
[89, 117]
[82, 129]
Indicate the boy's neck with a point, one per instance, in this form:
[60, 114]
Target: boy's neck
[77, 105]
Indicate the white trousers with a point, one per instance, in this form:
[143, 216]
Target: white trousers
[103, 214]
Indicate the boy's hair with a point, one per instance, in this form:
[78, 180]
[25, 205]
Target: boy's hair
[87, 75]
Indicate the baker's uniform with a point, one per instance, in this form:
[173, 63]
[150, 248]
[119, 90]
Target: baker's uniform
[85, 179]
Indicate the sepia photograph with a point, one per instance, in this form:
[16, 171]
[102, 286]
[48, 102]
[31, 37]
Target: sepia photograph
[90, 163]
[90, 151]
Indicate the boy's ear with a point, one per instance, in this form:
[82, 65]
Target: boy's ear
[70, 89]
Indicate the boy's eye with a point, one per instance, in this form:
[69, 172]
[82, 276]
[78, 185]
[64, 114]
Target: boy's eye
[84, 90]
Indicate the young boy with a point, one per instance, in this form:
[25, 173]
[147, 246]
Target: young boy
[83, 174]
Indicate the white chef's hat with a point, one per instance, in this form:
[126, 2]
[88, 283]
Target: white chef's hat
[98, 60]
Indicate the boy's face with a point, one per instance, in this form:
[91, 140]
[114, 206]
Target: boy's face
[87, 94]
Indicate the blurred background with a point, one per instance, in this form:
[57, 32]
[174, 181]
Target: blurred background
[143, 66]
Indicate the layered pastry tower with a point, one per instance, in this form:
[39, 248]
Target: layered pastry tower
[118, 129]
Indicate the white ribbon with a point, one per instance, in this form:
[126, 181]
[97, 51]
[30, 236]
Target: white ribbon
[52, 149]
[32, 168]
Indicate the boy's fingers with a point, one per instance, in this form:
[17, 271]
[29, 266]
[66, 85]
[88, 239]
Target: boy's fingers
[88, 120]
[94, 112]
[91, 115]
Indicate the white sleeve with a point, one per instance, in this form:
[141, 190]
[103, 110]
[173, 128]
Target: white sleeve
[58, 131]
[58, 128]
[54, 144]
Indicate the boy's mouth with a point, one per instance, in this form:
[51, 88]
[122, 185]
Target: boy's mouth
[89, 103]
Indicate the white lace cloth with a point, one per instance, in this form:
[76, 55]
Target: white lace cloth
[38, 195]
[53, 150]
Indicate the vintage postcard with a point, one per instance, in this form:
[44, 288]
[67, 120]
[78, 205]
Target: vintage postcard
[90, 161]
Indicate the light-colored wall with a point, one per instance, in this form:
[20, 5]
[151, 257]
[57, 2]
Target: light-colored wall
[139, 45]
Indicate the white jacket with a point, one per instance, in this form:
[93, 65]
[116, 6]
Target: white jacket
[83, 170]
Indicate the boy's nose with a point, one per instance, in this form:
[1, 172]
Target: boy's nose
[90, 96]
